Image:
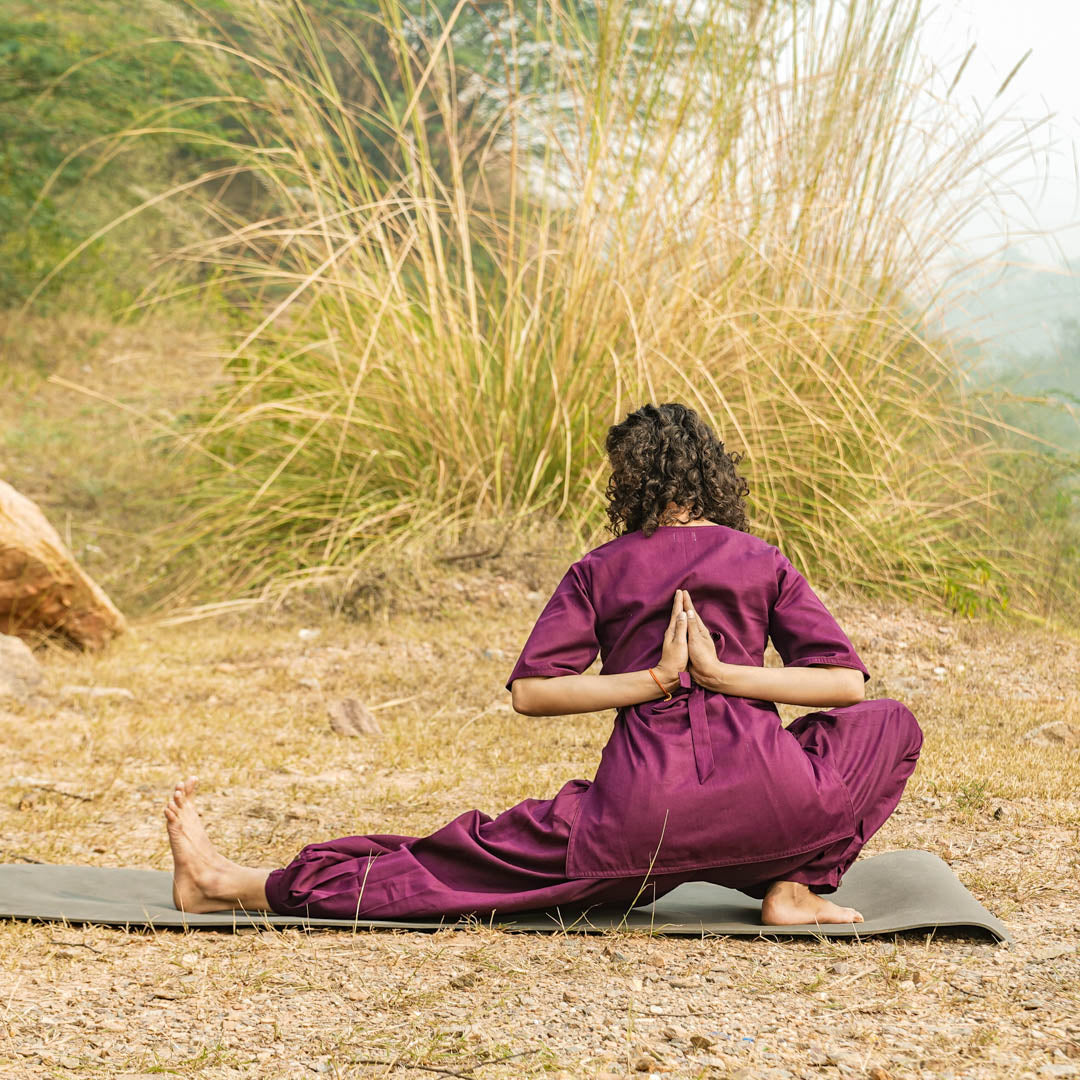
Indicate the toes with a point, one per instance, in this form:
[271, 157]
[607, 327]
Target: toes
[189, 785]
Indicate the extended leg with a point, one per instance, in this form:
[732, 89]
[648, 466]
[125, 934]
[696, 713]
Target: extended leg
[203, 879]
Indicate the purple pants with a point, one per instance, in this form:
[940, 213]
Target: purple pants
[479, 865]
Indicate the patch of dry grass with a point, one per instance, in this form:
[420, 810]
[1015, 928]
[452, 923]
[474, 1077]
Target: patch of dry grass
[241, 701]
[88, 449]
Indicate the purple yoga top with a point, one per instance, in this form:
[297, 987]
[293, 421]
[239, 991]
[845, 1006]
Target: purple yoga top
[703, 779]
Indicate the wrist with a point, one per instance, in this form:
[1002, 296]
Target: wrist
[669, 679]
[712, 677]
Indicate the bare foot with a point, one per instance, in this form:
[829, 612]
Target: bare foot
[788, 903]
[200, 872]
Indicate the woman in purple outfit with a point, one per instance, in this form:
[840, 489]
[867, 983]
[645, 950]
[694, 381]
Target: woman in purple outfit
[699, 780]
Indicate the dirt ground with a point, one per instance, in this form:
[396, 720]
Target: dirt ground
[241, 701]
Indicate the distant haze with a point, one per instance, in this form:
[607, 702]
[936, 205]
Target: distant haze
[1034, 287]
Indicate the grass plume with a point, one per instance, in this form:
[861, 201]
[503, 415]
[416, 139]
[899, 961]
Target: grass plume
[451, 278]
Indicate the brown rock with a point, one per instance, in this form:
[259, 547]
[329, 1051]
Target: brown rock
[350, 717]
[43, 590]
[1056, 733]
[20, 673]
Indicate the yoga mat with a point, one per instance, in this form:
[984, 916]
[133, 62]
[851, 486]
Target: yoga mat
[899, 890]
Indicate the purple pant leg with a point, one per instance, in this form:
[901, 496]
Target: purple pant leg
[474, 864]
[874, 746]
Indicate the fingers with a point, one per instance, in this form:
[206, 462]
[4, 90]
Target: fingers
[676, 610]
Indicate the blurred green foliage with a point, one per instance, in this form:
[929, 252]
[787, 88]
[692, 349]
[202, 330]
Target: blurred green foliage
[73, 73]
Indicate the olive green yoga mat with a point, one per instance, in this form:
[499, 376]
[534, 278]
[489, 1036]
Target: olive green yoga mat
[900, 890]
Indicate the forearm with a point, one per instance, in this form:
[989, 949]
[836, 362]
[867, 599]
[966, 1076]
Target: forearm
[824, 686]
[564, 694]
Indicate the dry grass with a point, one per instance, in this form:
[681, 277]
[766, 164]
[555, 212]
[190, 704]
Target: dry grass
[241, 701]
[441, 307]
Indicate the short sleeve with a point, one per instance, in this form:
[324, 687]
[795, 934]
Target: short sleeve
[563, 641]
[802, 629]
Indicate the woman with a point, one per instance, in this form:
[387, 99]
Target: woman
[698, 781]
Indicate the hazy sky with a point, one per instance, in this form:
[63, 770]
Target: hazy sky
[1048, 82]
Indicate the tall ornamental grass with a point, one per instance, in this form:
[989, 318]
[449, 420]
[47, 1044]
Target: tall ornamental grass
[451, 279]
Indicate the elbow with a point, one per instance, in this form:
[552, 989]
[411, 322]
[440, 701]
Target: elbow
[855, 690]
[519, 699]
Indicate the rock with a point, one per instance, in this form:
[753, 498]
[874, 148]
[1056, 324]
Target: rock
[904, 683]
[878, 1073]
[20, 673]
[701, 1042]
[43, 590]
[1056, 733]
[98, 692]
[350, 717]
[308, 633]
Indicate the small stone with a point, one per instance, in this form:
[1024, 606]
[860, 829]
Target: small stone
[841, 967]
[816, 1056]
[494, 654]
[350, 717]
[643, 1064]
[656, 961]
[20, 673]
[701, 1042]
[98, 692]
[669, 1033]
[1063, 1068]
[459, 982]
[1056, 733]
[1054, 952]
[878, 1073]
[308, 633]
[939, 670]
[685, 984]
[534, 595]
[308, 683]
[570, 997]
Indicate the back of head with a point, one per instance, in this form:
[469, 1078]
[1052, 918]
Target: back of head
[665, 454]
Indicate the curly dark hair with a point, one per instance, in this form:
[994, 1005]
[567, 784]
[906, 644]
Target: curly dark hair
[666, 453]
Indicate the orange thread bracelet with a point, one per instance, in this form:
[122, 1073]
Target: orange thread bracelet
[667, 695]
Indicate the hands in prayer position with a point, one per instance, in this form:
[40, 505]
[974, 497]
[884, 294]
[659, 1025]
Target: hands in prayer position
[688, 646]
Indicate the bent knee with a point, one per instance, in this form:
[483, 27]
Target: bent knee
[901, 720]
